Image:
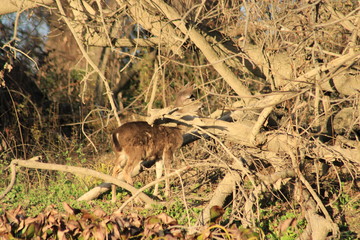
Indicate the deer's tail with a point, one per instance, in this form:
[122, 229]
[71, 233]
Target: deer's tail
[117, 145]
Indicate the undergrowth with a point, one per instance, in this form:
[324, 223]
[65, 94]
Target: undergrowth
[36, 197]
[37, 190]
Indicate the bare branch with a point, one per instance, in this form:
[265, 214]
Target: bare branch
[83, 171]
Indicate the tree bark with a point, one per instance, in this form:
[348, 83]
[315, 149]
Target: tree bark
[9, 6]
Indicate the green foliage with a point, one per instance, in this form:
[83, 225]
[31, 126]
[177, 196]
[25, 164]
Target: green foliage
[343, 201]
[277, 217]
[73, 155]
[38, 198]
[175, 209]
[120, 194]
[63, 188]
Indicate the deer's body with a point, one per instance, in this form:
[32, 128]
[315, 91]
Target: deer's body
[135, 142]
[138, 141]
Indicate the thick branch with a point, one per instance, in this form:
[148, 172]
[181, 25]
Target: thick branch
[83, 171]
[139, 11]
[302, 81]
[125, 42]
[9, 6]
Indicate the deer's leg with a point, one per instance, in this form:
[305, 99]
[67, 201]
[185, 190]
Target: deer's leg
[113, 186]
[134, 158]
[127, 173]
[119, 163]
[159, 165]
[167, 158]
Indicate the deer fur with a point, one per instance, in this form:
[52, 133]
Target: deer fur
[135, 142]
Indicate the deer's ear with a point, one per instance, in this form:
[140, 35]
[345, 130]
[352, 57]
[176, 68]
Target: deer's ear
[186, 91]
[188, 85]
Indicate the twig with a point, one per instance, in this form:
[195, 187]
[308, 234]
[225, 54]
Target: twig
[154, 81]
[18, 121]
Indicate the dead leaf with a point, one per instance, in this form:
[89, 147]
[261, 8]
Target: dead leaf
[167, 219]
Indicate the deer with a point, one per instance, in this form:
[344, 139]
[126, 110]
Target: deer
[137, 142]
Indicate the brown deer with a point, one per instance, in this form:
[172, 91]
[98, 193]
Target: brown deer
[135, 142]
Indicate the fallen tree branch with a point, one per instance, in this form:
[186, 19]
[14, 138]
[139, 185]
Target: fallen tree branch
[301, 81]
[12, 182]
[224, 189]
[80, 170]
[104, 187]
[13, 177]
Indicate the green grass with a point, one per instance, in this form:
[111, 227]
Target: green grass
[35, 197]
